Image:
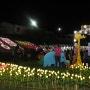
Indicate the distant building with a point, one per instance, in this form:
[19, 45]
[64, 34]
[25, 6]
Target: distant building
[8, 28]
[36, 35]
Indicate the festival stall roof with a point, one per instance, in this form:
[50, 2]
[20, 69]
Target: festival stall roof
[28, 45]
[34, 47]
[6, 44]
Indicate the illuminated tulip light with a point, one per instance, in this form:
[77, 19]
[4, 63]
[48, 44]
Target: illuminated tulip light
[19, 76]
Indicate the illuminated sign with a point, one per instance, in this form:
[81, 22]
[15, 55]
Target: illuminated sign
[8, 41]
[4, 46]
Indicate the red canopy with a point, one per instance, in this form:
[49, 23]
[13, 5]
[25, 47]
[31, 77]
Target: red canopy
[35, 47]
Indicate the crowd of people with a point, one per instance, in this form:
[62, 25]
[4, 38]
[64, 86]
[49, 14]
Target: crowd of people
[70, 55]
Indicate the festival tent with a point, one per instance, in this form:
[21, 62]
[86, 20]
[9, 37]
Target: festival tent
[28, 45]
[34, 47]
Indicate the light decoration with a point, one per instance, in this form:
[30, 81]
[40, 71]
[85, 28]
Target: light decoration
[24, 42]
[85, 26]
[28, 45]
[8, 41]
[47, 78]
[78, 63]
[89, 77]
[75, 40]
[59, 29]
[4, 46]
[85, 29]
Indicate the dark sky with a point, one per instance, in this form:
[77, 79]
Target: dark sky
[49, 14]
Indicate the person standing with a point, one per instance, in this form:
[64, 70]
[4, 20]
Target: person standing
[68, 58]
[58, 51]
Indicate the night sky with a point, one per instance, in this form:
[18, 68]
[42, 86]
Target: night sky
[49, 15]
